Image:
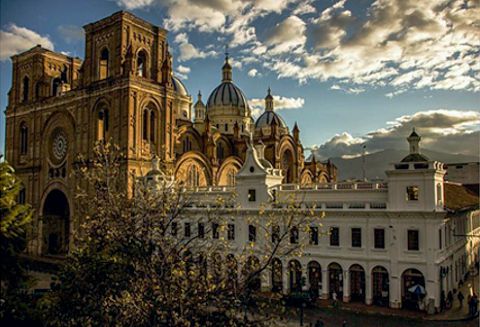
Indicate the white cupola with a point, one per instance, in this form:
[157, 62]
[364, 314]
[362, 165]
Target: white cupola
[256, 177]
[416, 183]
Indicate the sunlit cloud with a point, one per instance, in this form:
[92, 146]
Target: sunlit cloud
[15, 39]
[451, 131]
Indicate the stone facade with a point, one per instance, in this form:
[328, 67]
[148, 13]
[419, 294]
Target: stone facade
[398, 243]
[125, 92]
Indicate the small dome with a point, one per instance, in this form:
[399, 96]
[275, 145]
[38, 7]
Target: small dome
[199, 103]
[228, 94]
[269, 95]
[268, 118]
[178, 86]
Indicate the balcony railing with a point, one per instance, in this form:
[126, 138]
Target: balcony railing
[334, 186]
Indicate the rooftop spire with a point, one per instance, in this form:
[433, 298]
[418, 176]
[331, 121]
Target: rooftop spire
[413, 141]
[226, 69]
[269, 100]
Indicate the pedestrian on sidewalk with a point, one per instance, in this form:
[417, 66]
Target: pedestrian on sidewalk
[344, 323]
[470, 306]
[449, 299]
[460, 298]
[474, 304]
[319, 323]
[334, 297]
[442, 301]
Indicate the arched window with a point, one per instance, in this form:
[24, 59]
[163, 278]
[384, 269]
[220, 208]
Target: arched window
[294, 235]
[287, 166]
[23, 138]
[220, 151]
[22, 195]
[187, 144]
[145, 125]
[142, 64]
[64, 75]
[102, 124]
[103, 64]
[26, 88]
[193, 176]
[152, 126]
[56, 86]
[38, 89]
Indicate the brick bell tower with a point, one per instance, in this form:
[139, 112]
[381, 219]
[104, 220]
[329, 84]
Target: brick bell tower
[59, 107]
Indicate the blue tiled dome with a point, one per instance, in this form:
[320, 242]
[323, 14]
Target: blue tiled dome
[268, 118]
[228, 94]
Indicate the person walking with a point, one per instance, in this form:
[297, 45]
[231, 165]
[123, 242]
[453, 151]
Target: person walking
[442, 301]
[474, 304]
[334, 297]
[460, 298]
[449, 299]
[470, 302]
[344, 324]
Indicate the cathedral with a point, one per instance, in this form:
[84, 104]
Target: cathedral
[125, 92]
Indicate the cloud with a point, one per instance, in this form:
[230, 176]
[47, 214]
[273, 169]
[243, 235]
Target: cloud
[182, 72]
[252, 72]
[329, 28]
[395, 93]
[451, 131]
[183, 69]
[286, 36]
[404, 44]
[422, 44]
[189, 51]
[71, 33]
[279, 103]
[16, 39]
[276, 6]
[349, 90]
[304, 7]
[204, 15]
[134, 4]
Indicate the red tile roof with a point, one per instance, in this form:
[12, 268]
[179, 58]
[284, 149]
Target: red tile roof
[458, 197]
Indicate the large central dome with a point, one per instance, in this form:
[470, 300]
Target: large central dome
[227, 96]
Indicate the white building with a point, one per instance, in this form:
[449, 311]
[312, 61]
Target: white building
[382, 238]
[463, 173]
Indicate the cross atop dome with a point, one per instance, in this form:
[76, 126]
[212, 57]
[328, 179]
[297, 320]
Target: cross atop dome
[227, 68]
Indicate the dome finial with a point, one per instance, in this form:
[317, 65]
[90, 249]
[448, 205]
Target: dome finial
[413, 140]
[227, 68]
[269, 100]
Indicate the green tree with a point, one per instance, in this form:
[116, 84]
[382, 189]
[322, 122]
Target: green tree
[14, 221]
[132, 267]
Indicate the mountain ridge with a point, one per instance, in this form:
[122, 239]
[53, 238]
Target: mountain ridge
[376, 163]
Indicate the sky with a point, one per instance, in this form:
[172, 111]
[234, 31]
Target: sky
[349, 72]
